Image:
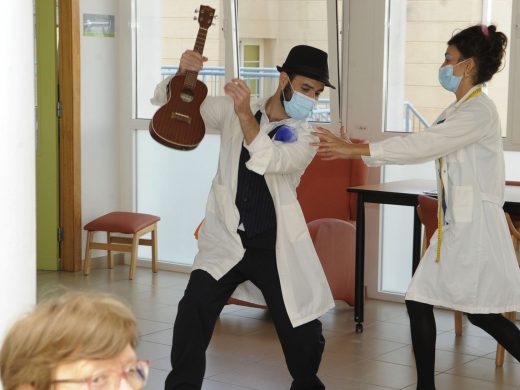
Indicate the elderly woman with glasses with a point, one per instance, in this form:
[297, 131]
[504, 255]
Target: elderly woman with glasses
[75, 341]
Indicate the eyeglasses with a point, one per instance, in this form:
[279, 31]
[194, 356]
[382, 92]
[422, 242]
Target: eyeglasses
[135, 375]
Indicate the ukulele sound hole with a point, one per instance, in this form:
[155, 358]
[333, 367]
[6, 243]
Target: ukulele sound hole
[187, 96]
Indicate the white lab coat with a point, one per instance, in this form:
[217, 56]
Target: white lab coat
[478, 271]
[305, 289]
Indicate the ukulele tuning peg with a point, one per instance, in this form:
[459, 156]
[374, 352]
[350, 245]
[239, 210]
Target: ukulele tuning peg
[195, 18]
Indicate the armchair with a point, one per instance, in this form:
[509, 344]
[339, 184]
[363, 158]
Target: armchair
[335, 243]
[322, 192]
[330, 213]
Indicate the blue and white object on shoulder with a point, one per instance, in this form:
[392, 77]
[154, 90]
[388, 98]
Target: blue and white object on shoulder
[286, 134]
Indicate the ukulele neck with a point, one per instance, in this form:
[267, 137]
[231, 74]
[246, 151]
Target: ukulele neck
[191, 76]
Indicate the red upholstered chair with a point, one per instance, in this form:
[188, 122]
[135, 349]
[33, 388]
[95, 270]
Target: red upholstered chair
[331, 212]
[335, 243]
[322, 192]
[134, 224]
[427, 212]
[327, 206]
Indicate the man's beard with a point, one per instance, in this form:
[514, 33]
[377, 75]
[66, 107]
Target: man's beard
[287, 91]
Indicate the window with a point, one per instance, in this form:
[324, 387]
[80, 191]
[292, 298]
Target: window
[277, 26]
[251, 69]
[174, 185]
[165, 29]
[170, 183]
[417, 36]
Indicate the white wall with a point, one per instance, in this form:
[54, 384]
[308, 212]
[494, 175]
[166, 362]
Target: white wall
[17, 160]
[100, 189]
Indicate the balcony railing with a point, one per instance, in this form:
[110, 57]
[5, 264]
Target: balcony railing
[263, 82]
[413, 120]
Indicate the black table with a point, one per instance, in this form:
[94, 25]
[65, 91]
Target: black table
[401, 193]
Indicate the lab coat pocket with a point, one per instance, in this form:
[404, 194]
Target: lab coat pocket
[463, 203]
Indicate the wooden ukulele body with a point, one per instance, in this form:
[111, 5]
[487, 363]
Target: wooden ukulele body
[178, 123]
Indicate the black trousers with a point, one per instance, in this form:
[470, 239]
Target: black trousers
[203, 301]
[424, 332]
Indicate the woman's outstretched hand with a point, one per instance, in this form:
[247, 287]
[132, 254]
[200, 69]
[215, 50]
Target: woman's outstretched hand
[332, 147]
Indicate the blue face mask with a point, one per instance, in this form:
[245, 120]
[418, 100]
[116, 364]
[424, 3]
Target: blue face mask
[448, 80]
[300, 106]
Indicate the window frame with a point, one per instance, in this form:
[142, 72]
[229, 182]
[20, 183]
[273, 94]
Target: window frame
[512, 139]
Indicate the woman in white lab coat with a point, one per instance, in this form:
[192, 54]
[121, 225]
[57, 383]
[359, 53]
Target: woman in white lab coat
[470, 264]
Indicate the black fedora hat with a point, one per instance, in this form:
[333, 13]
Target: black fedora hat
[307, 61]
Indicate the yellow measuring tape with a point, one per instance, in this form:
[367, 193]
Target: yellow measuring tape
[440, 215]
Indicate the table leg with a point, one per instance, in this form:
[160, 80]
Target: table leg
[416, 254]
[360, 263]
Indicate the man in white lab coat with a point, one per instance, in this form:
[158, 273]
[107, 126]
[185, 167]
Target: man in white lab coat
[254, 241]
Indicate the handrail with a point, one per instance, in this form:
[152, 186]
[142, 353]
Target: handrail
[409, 108]
[256, 77]
[247, 71]
[252, 73]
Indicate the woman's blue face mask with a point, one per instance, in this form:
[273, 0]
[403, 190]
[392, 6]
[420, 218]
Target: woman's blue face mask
[300, 106]
[447, 79]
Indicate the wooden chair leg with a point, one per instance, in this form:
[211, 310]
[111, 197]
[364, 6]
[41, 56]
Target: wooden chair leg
[133, 260]
[458, 322]
[154, 249]
[110, 257]
[86, 265]
[499, 358]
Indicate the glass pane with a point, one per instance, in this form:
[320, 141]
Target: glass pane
[169, 183]
[397, 230]
[174, 185]
[251, 63]
[165, 29]
[276, 26]
[417, 40]
[498, 88]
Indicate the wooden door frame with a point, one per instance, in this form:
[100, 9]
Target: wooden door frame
[70, 134]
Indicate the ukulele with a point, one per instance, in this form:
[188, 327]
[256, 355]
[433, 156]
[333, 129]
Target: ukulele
[178, 123]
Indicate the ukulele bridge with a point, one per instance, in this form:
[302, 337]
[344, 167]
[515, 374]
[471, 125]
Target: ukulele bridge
[181, 117]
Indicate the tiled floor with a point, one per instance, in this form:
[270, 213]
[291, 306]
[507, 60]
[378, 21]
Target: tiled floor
[245, 354]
